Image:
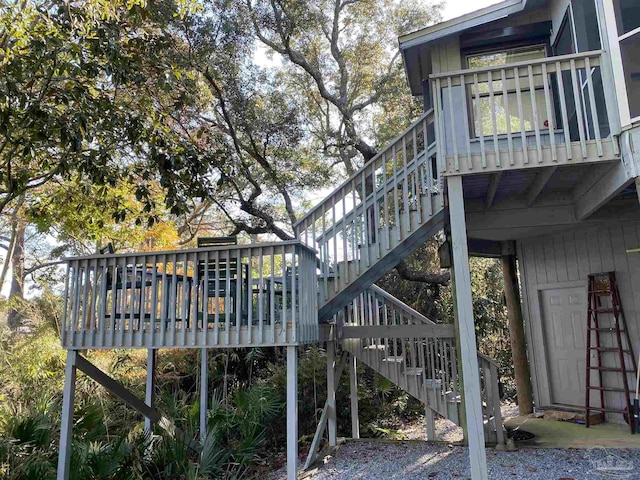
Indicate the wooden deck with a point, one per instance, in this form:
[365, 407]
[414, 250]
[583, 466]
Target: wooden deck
[260, 294]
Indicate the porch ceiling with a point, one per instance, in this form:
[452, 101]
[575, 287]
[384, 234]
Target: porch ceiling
[512, 205]
[532, 185]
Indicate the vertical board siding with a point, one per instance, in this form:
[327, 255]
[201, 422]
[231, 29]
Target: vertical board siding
[570, 257]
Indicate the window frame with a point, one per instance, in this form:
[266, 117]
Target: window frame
[521, 46]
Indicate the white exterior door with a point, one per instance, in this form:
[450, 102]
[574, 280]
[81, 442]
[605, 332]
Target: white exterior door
[564, 317]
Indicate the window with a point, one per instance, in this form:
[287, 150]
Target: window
[628, 23]
[506, 112]
[627, 15]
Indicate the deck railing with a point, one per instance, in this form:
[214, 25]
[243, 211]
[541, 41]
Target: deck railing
[259, 294]
[375, 209]
[534, 113]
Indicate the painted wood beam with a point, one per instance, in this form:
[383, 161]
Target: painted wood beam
[589, 179]
[400, 331]
[493, 188]
[331, 394]
[603, 190]
[322, 424]
[292, 413]
[353, 387]
[204, 391]
[538, 184]
[465, 320]
[150, 386]
[128, 397]
[66, 428]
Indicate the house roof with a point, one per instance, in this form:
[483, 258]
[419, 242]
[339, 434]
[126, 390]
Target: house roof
[415, 46]
[459, 24]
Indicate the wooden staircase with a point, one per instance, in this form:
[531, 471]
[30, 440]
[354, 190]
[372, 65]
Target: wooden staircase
[417, 355]
[376, 218]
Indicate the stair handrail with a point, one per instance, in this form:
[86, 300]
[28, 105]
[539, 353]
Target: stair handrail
[363, 169]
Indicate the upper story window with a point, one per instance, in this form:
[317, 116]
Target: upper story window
[627, 15]
[628, 24]
[503, 57]
[506, 111]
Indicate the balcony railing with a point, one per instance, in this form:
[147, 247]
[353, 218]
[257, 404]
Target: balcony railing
[241, 295]
[376, 209]
[535, 113]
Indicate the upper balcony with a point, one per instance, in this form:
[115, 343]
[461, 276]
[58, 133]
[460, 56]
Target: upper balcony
[545, 112]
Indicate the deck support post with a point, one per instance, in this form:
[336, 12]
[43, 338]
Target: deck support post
[331, 394]
[353, 384]
[431, 424]
[204, 391]
[516, 332]
[467, 342]
[66, 430]
[149, 397]
[292, 412]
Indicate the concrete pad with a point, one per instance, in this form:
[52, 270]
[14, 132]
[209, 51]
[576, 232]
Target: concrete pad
[554, 434]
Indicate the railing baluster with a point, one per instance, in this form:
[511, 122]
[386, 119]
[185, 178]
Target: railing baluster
[534, 111]
[249, 300]
[365, 222]
[344, 239]
[283, 332]
[405, 187]
[336, 274]
[355, 233]
[563, 111]
[387, 221]
[376, 209]
[261, 295]
[480, 131]
[523, 135]
[550, 119]
[594, 109]
[164, 294]
[494, 121]
[454, 136]
[578, 103]
[239, 294]
[396, 207]
[294, 298]
[507, 113]
[272, 293]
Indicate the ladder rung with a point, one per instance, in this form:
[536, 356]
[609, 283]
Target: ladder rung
[608, 389]
[607, 349]
[609, 369]
[604, 310]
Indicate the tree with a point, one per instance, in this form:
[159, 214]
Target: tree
[79, 90]
[348, 78]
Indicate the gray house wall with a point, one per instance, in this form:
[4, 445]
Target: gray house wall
[563, 261]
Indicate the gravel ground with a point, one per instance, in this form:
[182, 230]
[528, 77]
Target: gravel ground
[417, 460]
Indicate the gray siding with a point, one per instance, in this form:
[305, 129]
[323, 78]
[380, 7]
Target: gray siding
[563, 260]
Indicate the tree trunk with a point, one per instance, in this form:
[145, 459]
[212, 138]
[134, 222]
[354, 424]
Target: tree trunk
[516, 332]
[17, 271]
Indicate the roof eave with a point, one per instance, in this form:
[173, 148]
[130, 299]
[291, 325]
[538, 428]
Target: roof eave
[459, 24]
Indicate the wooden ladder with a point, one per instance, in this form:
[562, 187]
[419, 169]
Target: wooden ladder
[607, 318]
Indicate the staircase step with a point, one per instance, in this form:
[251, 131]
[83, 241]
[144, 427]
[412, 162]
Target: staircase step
[375, 347]
[393, 359]
[413, 371]
[432, 383]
